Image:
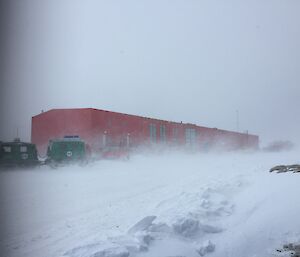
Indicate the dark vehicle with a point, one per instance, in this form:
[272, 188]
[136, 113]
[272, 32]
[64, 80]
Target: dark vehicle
[69, 148]
[17, 153]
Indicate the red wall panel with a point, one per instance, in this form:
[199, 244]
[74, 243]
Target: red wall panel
[92, 124]
[58, 123]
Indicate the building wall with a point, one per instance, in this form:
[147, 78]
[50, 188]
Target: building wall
[58, 123]
[100, 128]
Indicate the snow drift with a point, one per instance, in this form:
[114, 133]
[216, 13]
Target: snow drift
[172, 204]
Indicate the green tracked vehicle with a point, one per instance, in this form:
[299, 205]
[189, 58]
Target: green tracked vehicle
[17, 153]
[67, 149]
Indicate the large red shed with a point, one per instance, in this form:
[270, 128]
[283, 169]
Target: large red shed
[100, 128]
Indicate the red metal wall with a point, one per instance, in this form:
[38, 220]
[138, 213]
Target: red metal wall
[58, 123]
[92, 124]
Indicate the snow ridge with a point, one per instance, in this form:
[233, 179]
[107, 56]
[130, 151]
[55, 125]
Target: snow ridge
[191, 218]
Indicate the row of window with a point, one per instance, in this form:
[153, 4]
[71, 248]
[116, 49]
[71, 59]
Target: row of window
[162, 132]
[8, 149]
[190, 134]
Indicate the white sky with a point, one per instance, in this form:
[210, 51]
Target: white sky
[192, 61]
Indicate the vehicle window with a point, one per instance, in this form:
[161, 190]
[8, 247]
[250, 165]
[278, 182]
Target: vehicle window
[23, 149]
[7, 149]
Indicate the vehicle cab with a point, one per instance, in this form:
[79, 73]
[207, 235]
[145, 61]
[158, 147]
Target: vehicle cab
[69, 148]
[18, 153]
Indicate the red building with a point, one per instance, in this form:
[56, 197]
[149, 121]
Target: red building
[100, 129]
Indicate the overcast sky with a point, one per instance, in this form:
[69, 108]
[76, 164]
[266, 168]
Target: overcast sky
[190, 60]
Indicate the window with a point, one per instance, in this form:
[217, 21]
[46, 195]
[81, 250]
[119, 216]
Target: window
[23, 149]
[7, 149]
[190, 136]
[175, 135]
[162, 133]
[152, 130]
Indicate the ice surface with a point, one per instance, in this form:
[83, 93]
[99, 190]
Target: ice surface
[174, 204]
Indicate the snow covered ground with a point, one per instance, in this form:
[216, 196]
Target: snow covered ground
[154, 205]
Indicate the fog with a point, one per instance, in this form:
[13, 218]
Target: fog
[226, 64]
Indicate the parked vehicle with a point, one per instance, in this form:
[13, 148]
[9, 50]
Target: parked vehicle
[69, 148]
[18, 153]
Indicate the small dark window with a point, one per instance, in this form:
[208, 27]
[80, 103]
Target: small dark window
[23, 149]
[7, 149]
